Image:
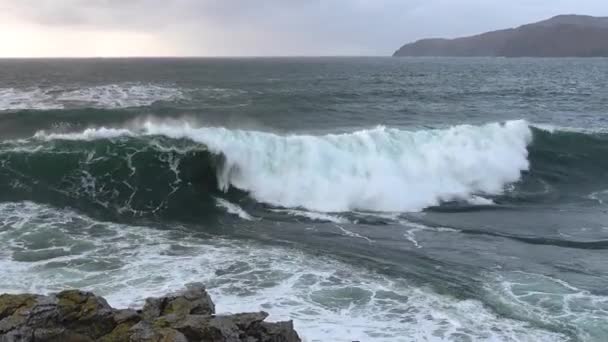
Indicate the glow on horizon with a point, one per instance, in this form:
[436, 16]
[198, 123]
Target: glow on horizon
[20, 40]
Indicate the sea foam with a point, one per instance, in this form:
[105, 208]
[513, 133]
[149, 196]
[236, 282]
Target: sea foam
[108, 96]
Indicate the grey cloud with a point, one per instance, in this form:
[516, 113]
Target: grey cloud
[277, 27]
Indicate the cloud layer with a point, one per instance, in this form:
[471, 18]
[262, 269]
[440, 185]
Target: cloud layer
[261, 27]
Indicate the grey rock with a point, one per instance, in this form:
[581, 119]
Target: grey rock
[84, 313]
[193, 300]
[126, 315]
[277, 332]
[77, 316]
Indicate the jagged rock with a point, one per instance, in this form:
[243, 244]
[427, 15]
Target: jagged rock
[85, 313]
[206, 328]
[146, 332]
[77, 316]
[126, 315]
[194, 300]
[276, 332]
[124, 320]
[14, 310]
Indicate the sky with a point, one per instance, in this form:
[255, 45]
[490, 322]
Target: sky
[111, 28]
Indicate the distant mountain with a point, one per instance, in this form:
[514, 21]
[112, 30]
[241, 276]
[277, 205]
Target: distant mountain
[561, 36]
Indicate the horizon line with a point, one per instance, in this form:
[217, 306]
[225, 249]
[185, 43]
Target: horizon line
[188, 56]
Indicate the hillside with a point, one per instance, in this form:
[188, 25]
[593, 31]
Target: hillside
[561, 36]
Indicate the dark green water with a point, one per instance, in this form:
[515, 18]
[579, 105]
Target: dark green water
[370, 199]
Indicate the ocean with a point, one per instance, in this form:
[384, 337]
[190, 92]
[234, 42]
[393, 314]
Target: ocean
[369, 199]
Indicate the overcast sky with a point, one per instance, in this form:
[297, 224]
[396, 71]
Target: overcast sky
[40, 28]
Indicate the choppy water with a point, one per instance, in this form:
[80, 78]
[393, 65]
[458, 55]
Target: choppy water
[370, 199]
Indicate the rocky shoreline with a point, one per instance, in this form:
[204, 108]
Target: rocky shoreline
[78, 316]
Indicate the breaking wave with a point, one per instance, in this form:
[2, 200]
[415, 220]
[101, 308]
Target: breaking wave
[178, 168]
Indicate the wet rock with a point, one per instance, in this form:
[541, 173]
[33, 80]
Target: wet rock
[206, 328]
[276, 332]
[194, 300]
[77, 316]
[126, 315]
[124, 320]
[147, 332]
[85, 313]
[14, 310]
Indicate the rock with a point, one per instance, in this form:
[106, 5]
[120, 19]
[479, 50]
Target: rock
[207, 328]
[146, 332]
[120, 333]
[124, 320]
[245, 321]
[170, 335]
[19, 314]
[85, 313]
[194, 300]
[77, 316]
[11, 303]
[59, 335]
[14, 310]
[277, 332]
[142, 331]
[126, 315]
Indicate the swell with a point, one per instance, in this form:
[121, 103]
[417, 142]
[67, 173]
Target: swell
[178, 171]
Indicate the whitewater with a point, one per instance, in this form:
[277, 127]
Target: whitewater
[381, 169]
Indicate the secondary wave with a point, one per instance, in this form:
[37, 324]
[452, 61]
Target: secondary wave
[150, 167]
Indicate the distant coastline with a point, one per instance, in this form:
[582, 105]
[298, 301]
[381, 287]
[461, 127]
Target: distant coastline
[560, 36]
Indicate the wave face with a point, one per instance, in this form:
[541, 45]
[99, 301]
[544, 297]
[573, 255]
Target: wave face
[158, 165]
[133, 177]
[109, 96]
[377, 170]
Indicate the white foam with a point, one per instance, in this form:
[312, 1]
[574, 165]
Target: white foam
[380, 169]
[557, 128]
[315, 216]
[328, 300]
[414, 227]
[87, 134]
[600, 196]
[234, 209]
[353, 234]
[122, 95]
[478, 200]
[22, 99]
[552, 301]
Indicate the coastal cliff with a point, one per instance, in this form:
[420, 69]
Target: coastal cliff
[561, 36]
